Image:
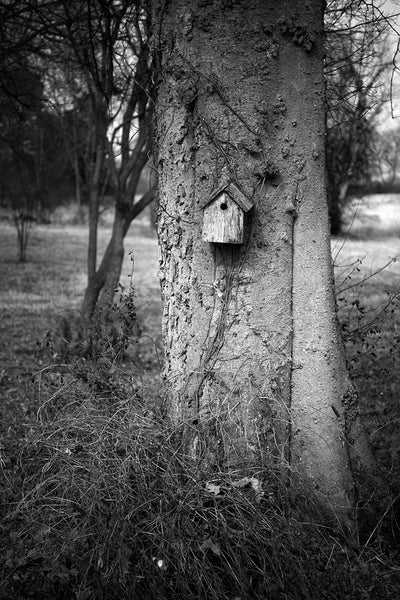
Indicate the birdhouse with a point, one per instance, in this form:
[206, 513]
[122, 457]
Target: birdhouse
[224, 215]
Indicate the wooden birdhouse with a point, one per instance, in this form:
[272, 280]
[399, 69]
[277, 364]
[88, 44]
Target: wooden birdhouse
[224, 215]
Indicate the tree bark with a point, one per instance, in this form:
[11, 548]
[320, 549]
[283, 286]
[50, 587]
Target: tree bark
[255, 365]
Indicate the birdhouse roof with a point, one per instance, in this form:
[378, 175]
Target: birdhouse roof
[233, 192]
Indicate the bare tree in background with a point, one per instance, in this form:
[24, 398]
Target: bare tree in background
[96, 53]
[357, 73]
[386, 166]
[109, 44]
[33, 165]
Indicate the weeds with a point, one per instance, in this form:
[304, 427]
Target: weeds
[369, 309]
[103, 503]
[106, 505]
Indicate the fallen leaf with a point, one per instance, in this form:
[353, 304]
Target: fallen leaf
[213, 489]
[208, 544]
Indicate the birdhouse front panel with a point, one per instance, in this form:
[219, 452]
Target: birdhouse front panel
[223, 221]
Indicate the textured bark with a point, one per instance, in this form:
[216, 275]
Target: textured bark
[254, 362]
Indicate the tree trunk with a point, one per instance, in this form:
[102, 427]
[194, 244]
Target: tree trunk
[254, 363]
[78, 186]
[105, 280]
[107, 275]
[94, 190]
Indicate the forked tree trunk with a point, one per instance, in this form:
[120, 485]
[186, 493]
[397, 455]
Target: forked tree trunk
[101, 287]
[255, 366]
[107, 276]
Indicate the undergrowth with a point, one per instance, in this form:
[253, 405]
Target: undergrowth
[104, 504]
[369, 314]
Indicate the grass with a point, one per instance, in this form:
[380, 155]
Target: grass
[101, 500]
[107, 505]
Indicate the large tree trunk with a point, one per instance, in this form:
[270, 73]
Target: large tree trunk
[254, 363]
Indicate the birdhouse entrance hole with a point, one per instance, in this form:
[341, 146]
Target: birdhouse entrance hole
[223, 206]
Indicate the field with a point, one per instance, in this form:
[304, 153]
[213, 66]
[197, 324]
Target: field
[70, 437]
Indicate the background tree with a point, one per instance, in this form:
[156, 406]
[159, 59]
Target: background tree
[20, 93]
[255, 366]
[76, 135]
[108, 44]
[354, 69]
[386, 165]
[32, 160]
[94, 56]
[35, 171]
